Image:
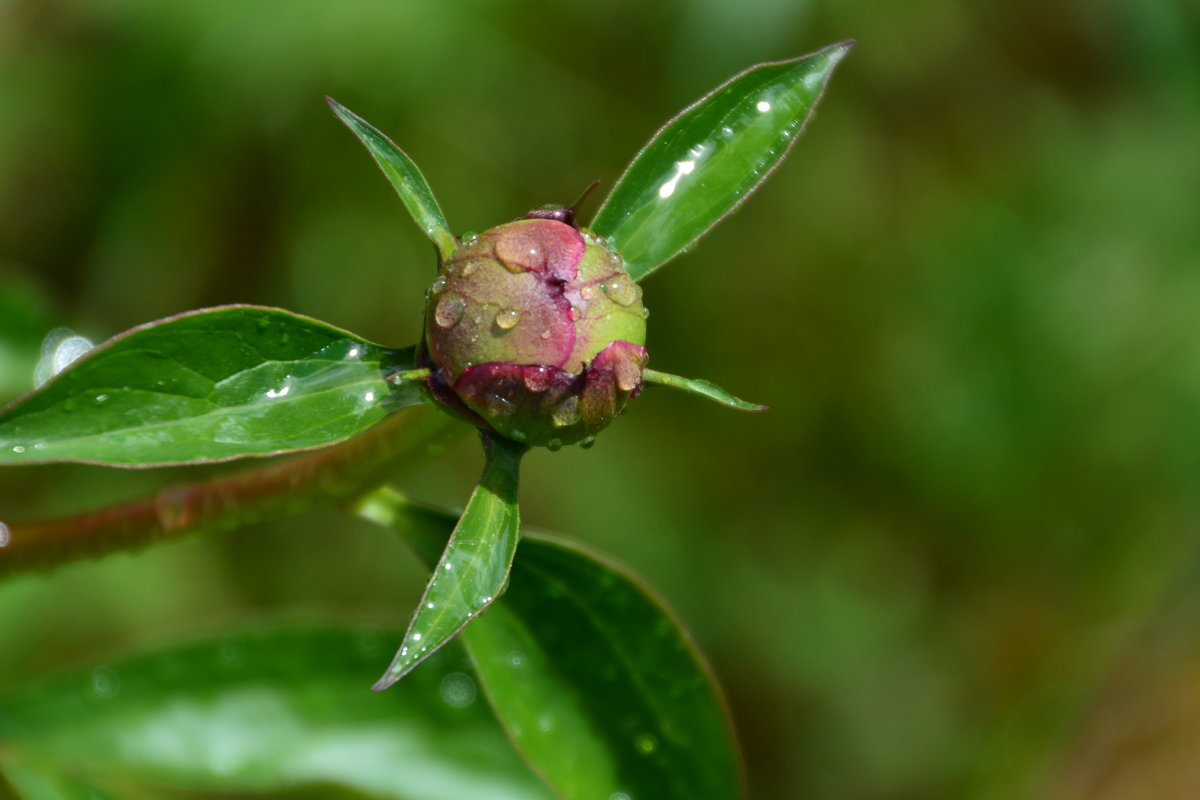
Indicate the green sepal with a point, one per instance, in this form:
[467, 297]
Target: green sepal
[701, 387]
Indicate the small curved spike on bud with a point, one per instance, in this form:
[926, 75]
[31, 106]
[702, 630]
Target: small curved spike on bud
[524, 339]
[564, 214]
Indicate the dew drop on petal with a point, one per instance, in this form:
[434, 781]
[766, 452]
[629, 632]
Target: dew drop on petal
[507, 319]
[567, 412]
[536, 378]
[587, 441]
[621, 290]
[449, 311]
[554, 445]
[498, 404]
[439, 284]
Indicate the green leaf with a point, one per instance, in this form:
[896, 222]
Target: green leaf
[473, 568]
[701, 387]
[593, 677]
[208, 385]
[405, 177]
[706, 161]
[267, 712]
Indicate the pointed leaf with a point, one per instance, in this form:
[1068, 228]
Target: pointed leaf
[701, 387]
[405, 177]
[707, 160]
[593, 677]
[267, 712]
[473, 569]
[208, 385]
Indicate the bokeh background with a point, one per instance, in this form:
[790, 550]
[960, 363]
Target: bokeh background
[960, 556]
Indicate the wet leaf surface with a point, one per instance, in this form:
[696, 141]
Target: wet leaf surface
[593, 677]
[208, 385]
[405, 178]
[263, 712]
[707, 160]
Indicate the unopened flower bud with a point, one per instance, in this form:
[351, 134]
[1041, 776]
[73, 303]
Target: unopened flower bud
[535, 330]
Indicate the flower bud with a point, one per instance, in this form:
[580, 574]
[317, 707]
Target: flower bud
[535, 330]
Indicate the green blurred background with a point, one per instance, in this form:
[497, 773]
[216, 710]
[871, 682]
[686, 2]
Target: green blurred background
[958, 558]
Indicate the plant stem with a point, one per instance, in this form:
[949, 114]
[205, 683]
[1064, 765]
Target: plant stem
[321, 479]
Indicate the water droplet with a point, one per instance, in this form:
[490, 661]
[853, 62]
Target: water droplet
[727, 131]
[457, 690]
[231, 653]
[469, 269]
[546, 334]
[645, 313]
[40, 446]
[499, 404]
[369, 397]
[587, 441]
[17, 448]
[507, 319]
[537, 378]
[105, 682]
[100, 398]
[280, 392]
[554, 445]
[60, 348]
[588, 292]
[517, 435]
[469, 237]
[567, 412]
[646, 744]
[430, 605]
[621, 289]
[449, 311]
[439, 285]
[763, 106]
[5, 535]
[448, 566]
[516, 659]
[620, 796]
[628, 373]
[614, 260]
[416, 637]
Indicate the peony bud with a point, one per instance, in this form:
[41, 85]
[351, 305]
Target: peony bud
[535, 330]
